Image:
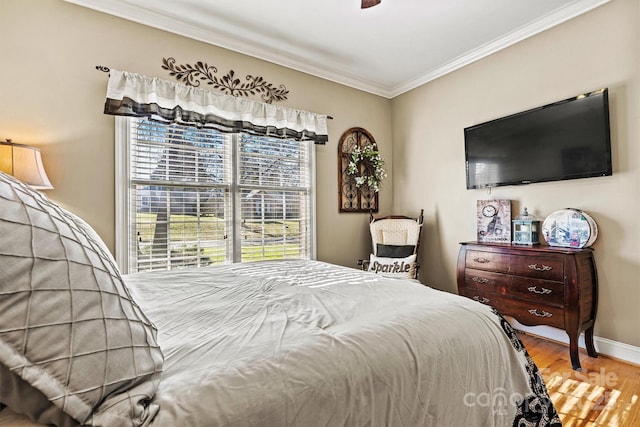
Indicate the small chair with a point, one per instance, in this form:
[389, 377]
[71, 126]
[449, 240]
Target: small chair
[395, 240]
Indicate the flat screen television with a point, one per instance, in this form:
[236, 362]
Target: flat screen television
[568, 139]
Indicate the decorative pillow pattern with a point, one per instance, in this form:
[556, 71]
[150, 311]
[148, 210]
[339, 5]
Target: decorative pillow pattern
[394, 251]
[71, 336]
[393, 267]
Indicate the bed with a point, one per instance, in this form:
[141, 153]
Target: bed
[270, 343]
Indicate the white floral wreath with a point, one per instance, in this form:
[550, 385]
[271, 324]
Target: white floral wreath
[371, 173]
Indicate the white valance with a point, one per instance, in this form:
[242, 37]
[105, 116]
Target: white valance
[131, 94]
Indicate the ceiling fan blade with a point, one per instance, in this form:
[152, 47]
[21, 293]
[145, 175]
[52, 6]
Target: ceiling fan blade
[369, 3]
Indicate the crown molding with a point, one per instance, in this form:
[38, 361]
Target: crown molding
[153, 19]
[571, 11]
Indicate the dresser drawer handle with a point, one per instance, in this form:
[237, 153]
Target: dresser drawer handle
[480, 279]
[543, 268]
[482, 260]
[539, 314]
[535, 290]
[483, 300]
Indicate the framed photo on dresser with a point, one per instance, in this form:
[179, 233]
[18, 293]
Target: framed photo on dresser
[494, 221]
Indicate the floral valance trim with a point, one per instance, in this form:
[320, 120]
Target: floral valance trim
[130, 94]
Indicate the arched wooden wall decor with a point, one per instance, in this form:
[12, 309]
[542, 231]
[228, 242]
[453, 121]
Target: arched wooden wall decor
[352, 198]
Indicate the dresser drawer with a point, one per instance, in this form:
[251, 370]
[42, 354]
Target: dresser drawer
[530, 313]
[536, 285]
[527, 288]
[548, 268]
[525, 312]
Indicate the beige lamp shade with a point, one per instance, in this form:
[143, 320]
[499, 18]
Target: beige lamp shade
[24, 163]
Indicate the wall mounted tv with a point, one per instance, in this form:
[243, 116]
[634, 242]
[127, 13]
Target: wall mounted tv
[568, 139]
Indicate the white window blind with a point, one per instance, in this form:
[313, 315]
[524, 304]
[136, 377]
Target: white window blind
[274, 188]
[196, 197]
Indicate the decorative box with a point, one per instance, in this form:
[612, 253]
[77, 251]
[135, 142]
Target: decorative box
[571, 228]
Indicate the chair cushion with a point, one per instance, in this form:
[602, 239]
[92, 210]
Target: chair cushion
[73, 342]
[394, 251]
[393, 267]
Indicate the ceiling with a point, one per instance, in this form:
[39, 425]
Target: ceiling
[386, 50]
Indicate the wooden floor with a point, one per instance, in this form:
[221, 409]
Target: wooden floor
[605, 393]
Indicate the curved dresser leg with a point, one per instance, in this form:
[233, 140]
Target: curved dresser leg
[588, 340]
[573, 352]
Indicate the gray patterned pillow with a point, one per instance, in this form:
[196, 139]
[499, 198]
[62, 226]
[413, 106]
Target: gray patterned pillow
[74, 346]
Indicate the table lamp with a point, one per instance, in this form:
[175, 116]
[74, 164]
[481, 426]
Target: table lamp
[25, 163]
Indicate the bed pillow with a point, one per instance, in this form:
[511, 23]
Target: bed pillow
[74, 345]
[394, 251]
[100, 245]
[393, 267]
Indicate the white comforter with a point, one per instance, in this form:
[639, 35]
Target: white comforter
[299, 343]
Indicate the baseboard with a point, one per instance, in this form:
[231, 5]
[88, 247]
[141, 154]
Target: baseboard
[614, 349]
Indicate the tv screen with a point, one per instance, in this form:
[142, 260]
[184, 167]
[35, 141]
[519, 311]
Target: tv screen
[568, 139]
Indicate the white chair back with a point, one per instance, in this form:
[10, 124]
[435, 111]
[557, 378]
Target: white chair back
[395, 231]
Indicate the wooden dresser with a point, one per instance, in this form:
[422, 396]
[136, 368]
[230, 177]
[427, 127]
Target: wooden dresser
[536, 285]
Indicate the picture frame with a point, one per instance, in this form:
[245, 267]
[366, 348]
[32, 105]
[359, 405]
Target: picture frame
[493, 221]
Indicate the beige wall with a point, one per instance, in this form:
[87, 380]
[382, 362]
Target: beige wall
[599, 49]
[51, 96]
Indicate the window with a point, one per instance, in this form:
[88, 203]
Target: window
[189, 197]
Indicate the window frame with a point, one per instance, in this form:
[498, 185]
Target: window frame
[123, 225]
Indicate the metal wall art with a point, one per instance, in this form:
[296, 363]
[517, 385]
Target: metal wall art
[353, 197]
[231, 85]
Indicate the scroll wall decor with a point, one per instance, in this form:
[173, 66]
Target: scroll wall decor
[230, 84]
[355, 196]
